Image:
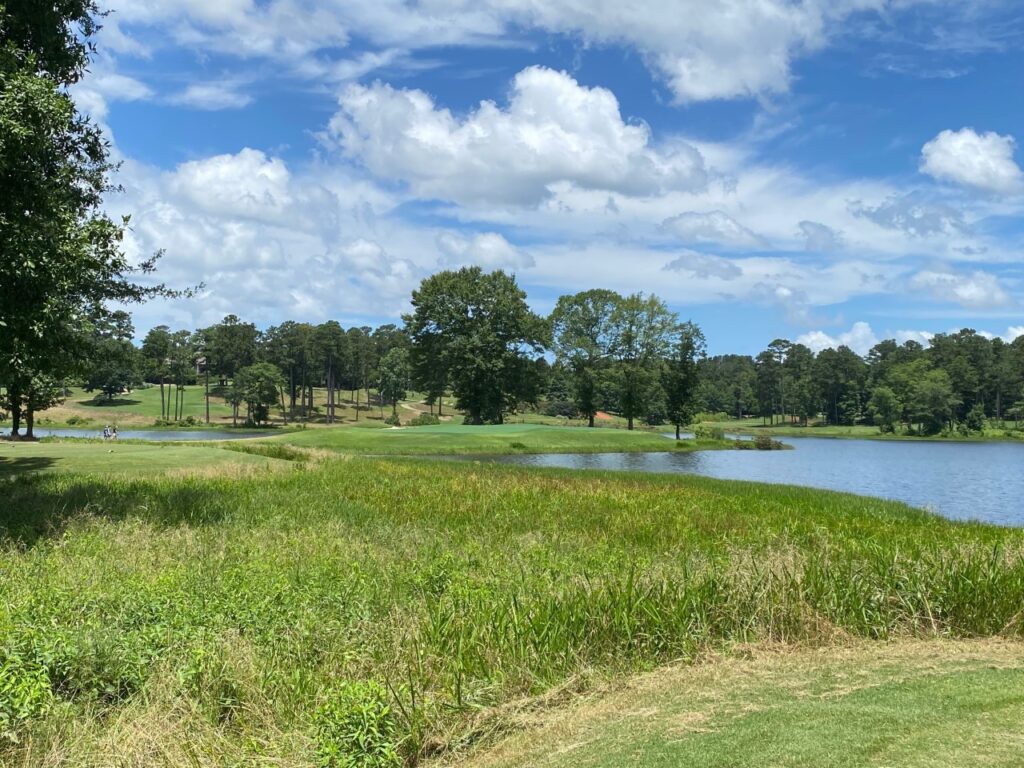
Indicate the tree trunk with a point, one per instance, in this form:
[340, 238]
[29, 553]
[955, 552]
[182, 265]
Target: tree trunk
[207, 395]
[163, 408]
[355, 395]
[629, 424]
[677, 431]
[30, 419]
[590, 419]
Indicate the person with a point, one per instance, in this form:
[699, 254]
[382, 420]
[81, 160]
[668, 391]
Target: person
[113, 433]
[106, 432]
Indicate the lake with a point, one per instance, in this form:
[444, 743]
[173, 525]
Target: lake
[159, 435]
[962, 481]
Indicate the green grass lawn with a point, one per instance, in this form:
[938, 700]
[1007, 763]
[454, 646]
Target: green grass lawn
[128, 458]
[506, 438]
[911, 704]
[242, 618]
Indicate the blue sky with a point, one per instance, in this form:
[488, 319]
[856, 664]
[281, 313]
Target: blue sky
[833, 171]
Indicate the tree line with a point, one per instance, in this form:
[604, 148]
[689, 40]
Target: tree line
[954, 385]
[472, 335]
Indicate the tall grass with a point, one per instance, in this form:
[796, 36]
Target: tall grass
[140, 615]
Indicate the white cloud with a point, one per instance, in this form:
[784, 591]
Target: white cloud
[820, 238]
[552, 131]
[984, 161]
[488, 250]
[912, 214]
[923, 338]
[978, 290]
[712, 227]
[860, 338]
[703, 49]
[212, 97]
[104, 86]
[704, 266]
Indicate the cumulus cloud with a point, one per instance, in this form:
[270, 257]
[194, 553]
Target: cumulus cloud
[978, 290]
[712, 227]
[488, 250]
[704, 266]
[981, 160]
[212, 97]
[553, 130]
[860, 338]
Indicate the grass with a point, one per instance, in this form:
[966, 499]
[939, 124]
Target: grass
[122, 457]
[448, 439]
[239, 620]
[913, 704]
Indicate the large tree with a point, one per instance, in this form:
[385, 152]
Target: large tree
[680, 378]
[61, 262]
[582, 335]
[479, 328]
[642, 330]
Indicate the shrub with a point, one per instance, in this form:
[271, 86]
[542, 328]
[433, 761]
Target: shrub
[356, 729]
[708, 432]
[74, 421]
[393, 420]
[564, 408]
[425, 420]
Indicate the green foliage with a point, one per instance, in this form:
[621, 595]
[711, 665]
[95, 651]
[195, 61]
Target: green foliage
[708, 432]
[425, 420]
[76, 421]
[393, 420]
[24, 692]
[564, 408]
[478, 330]
[356, 729]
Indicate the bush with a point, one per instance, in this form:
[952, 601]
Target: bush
[393, 420]
[564, 408]
[355, 728]
[708, 432]
[425, 420]
[74, 421]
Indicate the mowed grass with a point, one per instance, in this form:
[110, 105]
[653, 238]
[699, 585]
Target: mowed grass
[138, 407]
[449, 439]
[120, 457]
[911, 704]
[214, 620]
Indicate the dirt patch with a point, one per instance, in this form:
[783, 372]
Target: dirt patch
[602, 416]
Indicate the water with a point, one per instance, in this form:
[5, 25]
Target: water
[159, 435]
[961, 481]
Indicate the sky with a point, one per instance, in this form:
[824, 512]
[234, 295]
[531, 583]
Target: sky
[826, 171]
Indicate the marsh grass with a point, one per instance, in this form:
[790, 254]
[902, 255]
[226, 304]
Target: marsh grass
[221, 612]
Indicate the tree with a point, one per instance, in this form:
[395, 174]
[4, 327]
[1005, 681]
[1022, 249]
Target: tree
[480, 330]
[582, 335]
[257, 386]
[230, 346]
[885, 408]
[680, 379]
[113, 361]
[62, 268]
[641, 334]
[394, 376]
[156, 356]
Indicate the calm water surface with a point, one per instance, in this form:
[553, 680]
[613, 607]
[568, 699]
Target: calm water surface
[962, 481]
[152, 434]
